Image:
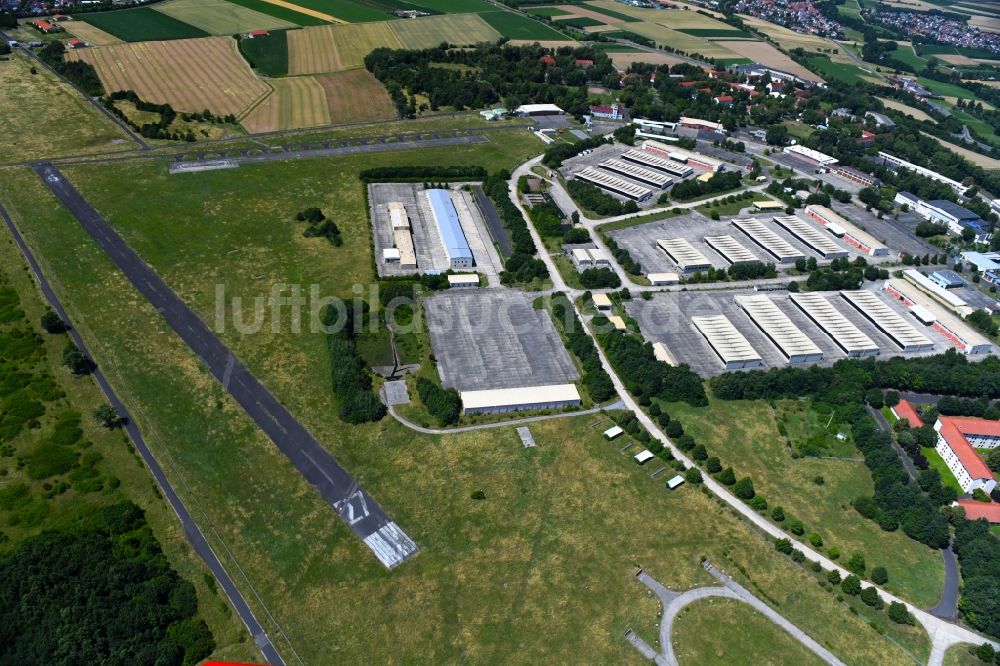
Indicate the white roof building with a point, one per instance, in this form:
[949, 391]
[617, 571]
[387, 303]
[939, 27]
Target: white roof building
[492, 401]
[643, 456]
[775, 324]
[539, 110]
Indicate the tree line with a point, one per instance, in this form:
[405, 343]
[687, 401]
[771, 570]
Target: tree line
[522, 266]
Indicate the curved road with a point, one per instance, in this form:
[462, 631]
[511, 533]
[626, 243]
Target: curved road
[191, 529]
[499, 424]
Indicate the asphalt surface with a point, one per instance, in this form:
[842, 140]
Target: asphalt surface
[493, 221]
[191, 530]
[354, 505]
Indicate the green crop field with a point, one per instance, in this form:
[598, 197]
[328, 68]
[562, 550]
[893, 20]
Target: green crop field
[539, 563]
[220, 17]
[429, 31]
[720, 33]
[835, 70]
[612, 13]
[268, 55]
[746, 436]
[515, 26]
[580, 22]
[946, 89]
[456, 6]
[142, 24]
[346, 10]
[278, 12]
[546, 11]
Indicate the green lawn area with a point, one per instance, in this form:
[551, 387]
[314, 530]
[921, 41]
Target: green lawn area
[906, 54]
[746, 435]
[835, 70]
[959, 655]
[142, 24]
[520, 576]
[980, 127]
[546, 11]
[282, 13]
[937, 462]
[850, 8]
[268, 55]
[946, 89]
[516, 26]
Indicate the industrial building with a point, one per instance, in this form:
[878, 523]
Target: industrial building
[779, 329]
[614, 184]
[942, 211]
[948, 279]
[862, 178]
[497, 401]
[682, 253]
[768, 206]
[701, 125]
[683, 156]
[663, 279]
[769, 241]
[965, 338]
[844, 334]
[601, 302]
[731, 249]
[584, 258]
[661, 353]
[985, 262]
[899, 163]
[728, 343]
[821, 243]
[404, 254]
[456, 247]
[888, 321]
[463, 281]
[958, 439]
[539, 110]
[947, 298]
[637, 173]
[653, 162]
[810, 156]
[837, 225]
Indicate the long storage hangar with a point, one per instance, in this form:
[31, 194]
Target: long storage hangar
[401, 237]
[731, 249]
[637, 173]
[837, 225]
[614, 184]
[887, 320]
[846, 335]
[495, 401]
[653, 162]
[821, 243]
[678, 154]
[775, 324]
[769, 241]
[965, 339]
[949, 299]
[446, 217]
[682, 253]
[732, 348]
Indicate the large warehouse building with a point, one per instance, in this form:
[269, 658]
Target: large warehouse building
[767, 240]
[897, 162]
[846, 335]
[732, 348]
[498, 401]
[965, 338]
[779, 329]
[614, 184]
[838, 225]
[456, 246]
[682, 253]
[401, 237]
[683, 156]
[888, 321]
[818, 241]
[653, 162]
[810, 156]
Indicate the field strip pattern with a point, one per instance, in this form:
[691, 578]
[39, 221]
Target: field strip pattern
[355, 506]
[429, 31]
[769, 56]
[297, 102]
[324, 49]
[220, 17]
[356, 96]
[173, 72]
[304, 10]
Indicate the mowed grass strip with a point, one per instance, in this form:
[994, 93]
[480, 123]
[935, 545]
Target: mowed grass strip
[142, 24]
[516, 26]
[43, 117]
[297, 102]
[326, 49]
[221, 17]
[278, 12]
[175, 73]
[429, 31]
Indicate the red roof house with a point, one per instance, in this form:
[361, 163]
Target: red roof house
[585, 63]
[258, 33]
[724, 99]
[989, 511]
[76, 43]
[547, 59]
[904, 411]
[957, 436]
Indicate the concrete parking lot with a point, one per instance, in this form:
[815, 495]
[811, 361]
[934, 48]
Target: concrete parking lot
[899, 235]
[667, 316]
[492, 339]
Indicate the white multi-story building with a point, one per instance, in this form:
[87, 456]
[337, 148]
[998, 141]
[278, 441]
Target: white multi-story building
[958, 439]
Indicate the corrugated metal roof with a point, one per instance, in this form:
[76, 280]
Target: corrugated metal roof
[515, 397]
[448, 224]
[778, 327]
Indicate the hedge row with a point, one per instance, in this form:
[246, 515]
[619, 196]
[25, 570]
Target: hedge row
[406, 173]
[595, 379]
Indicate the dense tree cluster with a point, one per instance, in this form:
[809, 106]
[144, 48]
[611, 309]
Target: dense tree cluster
[445, 405]
[558, 152]
[99, 593]
[693, 189]
[595, 379]
[600, 278]
[522, 265]
[350, 379]
[645, 377]
[414, 173]
[978, 553]
[622, 256]
[592, 198]
[79, 73]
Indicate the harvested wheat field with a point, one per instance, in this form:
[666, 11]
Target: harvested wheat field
[955, 59]
[682, 41]
[581, 11]
[625, 59]
[767, 55]
[988, 23]
[546, 43]
[355, 96]
[911, 111]
[90, 33]
[220, 17]
[429, 31]
[789, 39]
[974, 157]
[174, 73]
[298, 101]
[324, 49]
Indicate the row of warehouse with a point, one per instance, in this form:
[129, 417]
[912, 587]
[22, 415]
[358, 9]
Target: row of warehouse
[636, 174]
[450, 234]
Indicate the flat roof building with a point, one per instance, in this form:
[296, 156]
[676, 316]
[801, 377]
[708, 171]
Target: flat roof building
[731, 249]
[845, 334]
[960, 334]
[732, 348]
[613, 431]
[618, 323]
[539, 110]
[958, 439]
[862, 178]
[838, 225]
[643, 456]
[614, 184]
[397, 216]
[779, 329]
[768, 206]
[947, 298]
[684, 156]
[456, 246]
[601, 302]
[810, 156]
[821, 243]
[496, 401]
[663, 279]
[661, 353]
[404, 245]
[653, 162]
[948, 279]
[898, 162]
[637, 173]
[682, 253]
[769, 241]
[887, 320]
[463, 281]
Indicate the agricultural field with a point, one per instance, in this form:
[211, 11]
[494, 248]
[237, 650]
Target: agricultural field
[788, 39]
[429, 31]
[324, 49]
[346, 11]
[281, 11]
[976, 158]
[102, 468]
[449, 603]
[611, 13]
[836, 70]
[455, 6]
[43, 117]
[172, 73]
[685, 43]
[516, 26]
[309, 101]
[746, 436]
[90, 33]
[905, 53]
[547, 11]
[766, 54]
[268, 55]
[911, 111]
[141, 24]
[221, 17]
[988, 23]
[623, 59]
